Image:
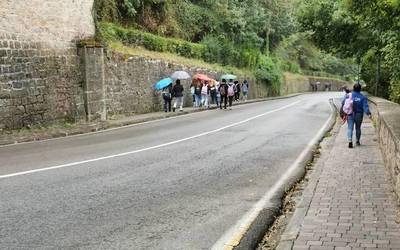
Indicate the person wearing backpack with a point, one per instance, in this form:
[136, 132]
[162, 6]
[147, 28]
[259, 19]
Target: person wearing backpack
[167, 97]
[177, 92]
[231, 92]
[355, 105]
[344, 115]
[223, 91]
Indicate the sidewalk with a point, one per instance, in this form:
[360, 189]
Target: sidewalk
[348, 203]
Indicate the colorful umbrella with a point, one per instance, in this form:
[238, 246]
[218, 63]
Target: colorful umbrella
[202, 77]
[181, 75]
[163, 83]
[228, 77]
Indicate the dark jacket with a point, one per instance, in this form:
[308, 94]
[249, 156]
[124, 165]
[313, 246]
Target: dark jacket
[225, 87]
[177, 90]
[360, 103]
[167, 92]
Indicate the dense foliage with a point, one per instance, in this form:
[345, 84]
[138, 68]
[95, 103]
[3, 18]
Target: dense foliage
[367, 30]
[299, 55]
[255, 34]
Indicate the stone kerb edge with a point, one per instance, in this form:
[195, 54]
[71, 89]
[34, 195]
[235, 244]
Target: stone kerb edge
[390, 145]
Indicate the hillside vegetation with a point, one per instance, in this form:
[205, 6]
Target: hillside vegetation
[367, 30]
[260, 36]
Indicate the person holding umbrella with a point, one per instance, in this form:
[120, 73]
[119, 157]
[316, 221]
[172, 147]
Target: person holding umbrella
[177, 93]
[166, 86]
[205, 91]
[167, 97]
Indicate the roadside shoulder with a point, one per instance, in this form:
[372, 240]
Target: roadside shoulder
[66, 130]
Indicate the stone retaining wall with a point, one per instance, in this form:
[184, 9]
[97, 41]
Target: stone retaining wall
[40, 71]
[129, 83]
[387, 120]
[294, 83]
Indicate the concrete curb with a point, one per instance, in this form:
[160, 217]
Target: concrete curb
[293, 228]
[251, 233]
[104, 126]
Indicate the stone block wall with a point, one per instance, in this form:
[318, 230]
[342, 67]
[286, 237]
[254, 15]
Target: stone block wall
[129, 83]
[94, 83]
[387, 121]
[40, 71]
[294, 83]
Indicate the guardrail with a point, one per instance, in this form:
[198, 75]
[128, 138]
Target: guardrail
[387, 122]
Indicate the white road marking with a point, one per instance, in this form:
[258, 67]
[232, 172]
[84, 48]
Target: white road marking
[100, 131]
[233, 234]
[145, 149]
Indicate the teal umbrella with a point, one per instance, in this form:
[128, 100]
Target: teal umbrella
[228, 77]
[163, 83]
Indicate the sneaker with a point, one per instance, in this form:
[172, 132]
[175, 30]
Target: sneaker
[358, 143]
[350, 145]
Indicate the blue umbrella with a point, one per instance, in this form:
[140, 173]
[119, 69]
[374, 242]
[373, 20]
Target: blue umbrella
[163, 83]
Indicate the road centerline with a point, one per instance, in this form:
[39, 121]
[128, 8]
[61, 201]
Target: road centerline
[148, 148]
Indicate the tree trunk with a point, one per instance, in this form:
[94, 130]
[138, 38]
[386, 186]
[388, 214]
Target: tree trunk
[378, 72]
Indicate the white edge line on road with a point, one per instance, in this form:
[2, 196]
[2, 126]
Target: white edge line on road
[100, 131]
[145, 149]
[116, 128]
[232, 236]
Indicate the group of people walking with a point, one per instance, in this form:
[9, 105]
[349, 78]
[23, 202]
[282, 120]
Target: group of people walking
[206, 93]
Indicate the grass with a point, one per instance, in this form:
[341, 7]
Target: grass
[291, 77]
[169, 57]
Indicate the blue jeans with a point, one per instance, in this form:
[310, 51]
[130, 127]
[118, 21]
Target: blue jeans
[354, 119]
[197, 100]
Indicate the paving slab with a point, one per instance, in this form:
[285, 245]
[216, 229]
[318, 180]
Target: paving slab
[349, 202]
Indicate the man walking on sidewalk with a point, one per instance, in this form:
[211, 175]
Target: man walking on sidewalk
[360, 106]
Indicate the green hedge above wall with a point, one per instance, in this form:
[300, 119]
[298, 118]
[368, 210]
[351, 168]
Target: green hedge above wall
[130, 36]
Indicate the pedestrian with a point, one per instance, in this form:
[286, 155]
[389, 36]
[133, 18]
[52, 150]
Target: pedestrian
[317, 86]
[231, 92]
[223, 91]
[359, 106]
[342, 113]
[245, 89]
[167, 97]
[237, 90]
[192, 92]
[197, 94]
[205, 91]
[218, 95]
[213, 93]
[177, 93]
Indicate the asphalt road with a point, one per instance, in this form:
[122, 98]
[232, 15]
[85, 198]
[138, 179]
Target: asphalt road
[171, 184]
